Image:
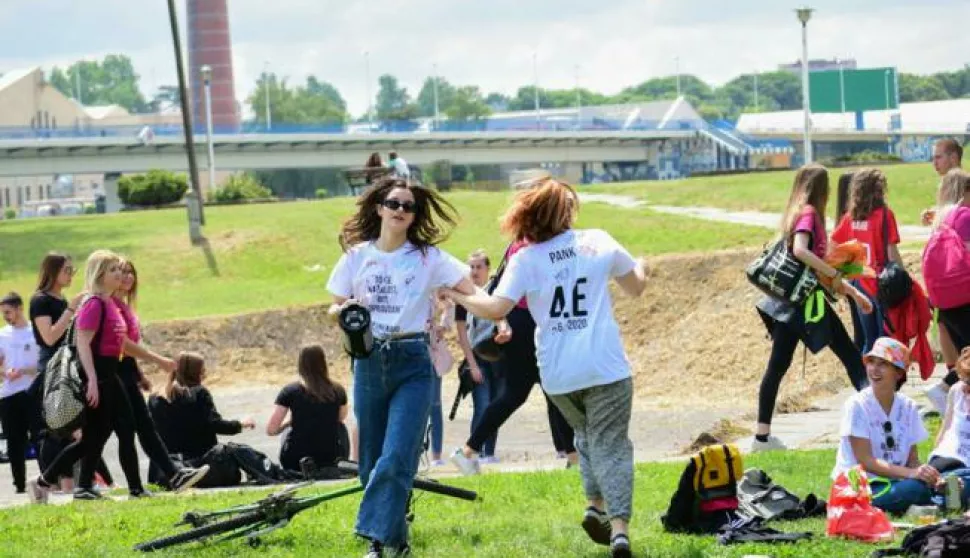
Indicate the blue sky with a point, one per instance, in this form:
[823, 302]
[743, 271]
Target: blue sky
[490, 43]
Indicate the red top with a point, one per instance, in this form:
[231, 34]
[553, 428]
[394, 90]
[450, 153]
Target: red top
[869, 234]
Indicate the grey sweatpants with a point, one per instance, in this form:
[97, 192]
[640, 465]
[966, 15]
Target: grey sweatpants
[600, 416]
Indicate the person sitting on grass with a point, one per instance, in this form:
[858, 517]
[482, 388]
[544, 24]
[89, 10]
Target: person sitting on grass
[318, 412]
[952, 452]
[880, 430]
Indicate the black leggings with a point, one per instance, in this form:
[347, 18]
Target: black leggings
[15, 416]
[113, 414]
[148, 436]
[520, 370]
[784, 343]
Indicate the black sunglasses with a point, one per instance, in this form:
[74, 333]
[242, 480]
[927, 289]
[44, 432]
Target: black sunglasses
[887, 428]
[394, 205]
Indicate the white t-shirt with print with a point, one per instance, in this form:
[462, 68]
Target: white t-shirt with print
[956, 440]
[19, 350]
[396, 286]
[864, 417]
[566, 283]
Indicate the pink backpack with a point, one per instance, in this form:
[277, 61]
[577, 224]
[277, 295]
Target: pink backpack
[946, 266]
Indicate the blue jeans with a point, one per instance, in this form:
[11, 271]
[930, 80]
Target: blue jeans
[437, 418]
[392, 399]
[900, 494]
[484, 393]
[872, 324]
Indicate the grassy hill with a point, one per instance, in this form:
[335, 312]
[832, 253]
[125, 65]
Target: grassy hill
[911, 189]
[277, 255]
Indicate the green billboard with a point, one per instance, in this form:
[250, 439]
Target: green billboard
[853, 90]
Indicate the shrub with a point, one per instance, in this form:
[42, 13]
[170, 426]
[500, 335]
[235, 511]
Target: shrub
[10, 213]
[239, 187]
[90, 209]
[322, 193]
[157, 187]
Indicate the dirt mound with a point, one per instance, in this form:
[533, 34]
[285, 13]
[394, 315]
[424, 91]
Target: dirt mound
[694, 339]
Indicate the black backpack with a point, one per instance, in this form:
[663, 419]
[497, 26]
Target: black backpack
[947, 539]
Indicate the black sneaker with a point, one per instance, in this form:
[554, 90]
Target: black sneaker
[597, 526]
[87, 494]
[186, 478]
[141, 493]
[376, 550]
[620, 546]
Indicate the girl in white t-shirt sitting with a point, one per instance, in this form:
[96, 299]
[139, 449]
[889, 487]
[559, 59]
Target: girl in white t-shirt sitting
[565, 275]
[392, 266]
[952, 453]
[880, 431]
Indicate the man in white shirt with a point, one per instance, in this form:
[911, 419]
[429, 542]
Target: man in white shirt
[399, 166]
[18, 363]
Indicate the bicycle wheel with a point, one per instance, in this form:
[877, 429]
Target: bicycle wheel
[446, 490]
[202, 532]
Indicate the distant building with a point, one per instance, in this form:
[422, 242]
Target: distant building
[819, 65]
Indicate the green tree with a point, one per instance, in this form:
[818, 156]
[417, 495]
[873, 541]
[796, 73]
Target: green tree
[425, 101]
[316, 102]
[498, 102]
[467, 104]
[166, 96]
[393, 101]
[112, 81]
[914, 88]
[155, 188]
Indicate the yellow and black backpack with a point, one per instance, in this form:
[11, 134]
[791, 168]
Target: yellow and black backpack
[706, 495]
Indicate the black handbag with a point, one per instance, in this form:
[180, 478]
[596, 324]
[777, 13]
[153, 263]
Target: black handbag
[895, 283]
[779, 274]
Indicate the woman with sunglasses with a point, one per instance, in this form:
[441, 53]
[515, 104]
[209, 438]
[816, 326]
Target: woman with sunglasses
[391, 265]
[880, 431]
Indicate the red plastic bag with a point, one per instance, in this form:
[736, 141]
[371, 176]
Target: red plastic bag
[851, 513]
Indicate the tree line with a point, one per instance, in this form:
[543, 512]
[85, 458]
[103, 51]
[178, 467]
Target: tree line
[114, 80]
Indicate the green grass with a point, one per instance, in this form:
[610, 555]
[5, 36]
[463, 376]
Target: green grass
[265, 254]
[912, 188]
[534, 514]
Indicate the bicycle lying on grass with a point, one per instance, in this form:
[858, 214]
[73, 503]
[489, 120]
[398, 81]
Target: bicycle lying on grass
[255, 520]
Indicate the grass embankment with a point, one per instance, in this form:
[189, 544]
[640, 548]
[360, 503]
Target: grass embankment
[534, 514]
[912, 188]
[279, 255]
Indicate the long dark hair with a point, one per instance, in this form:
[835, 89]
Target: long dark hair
[811, 187]
[313, 371]
[868, 193]
[50, 266]
[434, 216]
[842, 196]
[187, 373]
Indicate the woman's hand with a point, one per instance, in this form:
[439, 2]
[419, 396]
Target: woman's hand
[926, 474]
[76, 300]
[248, 423]
[92, 394]
[144, 384]
[166, 364]
[503, 332]
[475, 372]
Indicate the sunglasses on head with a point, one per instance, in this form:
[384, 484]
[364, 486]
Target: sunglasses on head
[394, 205]
[887, 428]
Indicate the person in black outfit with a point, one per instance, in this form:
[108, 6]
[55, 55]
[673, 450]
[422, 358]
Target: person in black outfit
[18, 366]
[185, 415]
[317, 408]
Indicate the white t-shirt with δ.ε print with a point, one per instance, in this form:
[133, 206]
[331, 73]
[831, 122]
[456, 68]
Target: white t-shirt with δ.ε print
[566, 283]
[891, 436]
[396, 286]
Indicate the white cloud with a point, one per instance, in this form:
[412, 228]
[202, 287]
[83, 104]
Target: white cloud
[616, 44]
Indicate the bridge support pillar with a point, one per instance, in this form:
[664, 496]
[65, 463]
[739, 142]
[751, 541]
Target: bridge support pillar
[112, 203]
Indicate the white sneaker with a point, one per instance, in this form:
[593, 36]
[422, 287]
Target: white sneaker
[488, 460]
[937, 396]
[438, 463]
[773, 443]
[467, 466]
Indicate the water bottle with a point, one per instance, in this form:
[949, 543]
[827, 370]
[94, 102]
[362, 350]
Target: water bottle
[953, 491]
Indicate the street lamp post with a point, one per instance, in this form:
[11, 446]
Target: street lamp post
[437, 116]
[841, 87]
[269, 117]
[193, 203]
[535, 89]
[805, 14]
[207, 82]
[370, 100]
[889, 118]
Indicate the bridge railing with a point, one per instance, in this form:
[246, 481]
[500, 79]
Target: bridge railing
[424, 126]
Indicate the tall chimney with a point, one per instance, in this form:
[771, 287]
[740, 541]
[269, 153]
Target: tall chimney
[209, 43]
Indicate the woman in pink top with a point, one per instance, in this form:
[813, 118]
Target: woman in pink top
[133, 381]
[804, 227]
